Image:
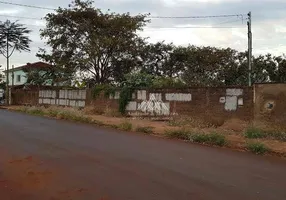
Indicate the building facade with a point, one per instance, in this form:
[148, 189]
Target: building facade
[17, 76]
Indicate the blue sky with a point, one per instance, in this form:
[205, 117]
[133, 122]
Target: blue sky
[269, 22]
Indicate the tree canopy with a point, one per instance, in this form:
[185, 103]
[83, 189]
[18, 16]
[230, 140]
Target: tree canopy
[13, 36]
[105, 46]
[87, 39]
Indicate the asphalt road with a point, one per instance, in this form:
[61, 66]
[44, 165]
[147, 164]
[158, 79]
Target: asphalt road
[48, 159]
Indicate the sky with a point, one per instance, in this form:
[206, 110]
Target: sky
[268, 23]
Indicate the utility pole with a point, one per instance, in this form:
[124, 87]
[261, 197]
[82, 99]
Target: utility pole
[12, 88]
[13, 76]
[250, 67]
[7, 70]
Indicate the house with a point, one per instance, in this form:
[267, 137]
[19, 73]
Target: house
[20, 74]
[2, 78]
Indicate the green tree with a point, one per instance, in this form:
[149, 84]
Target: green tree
[203, 65]
[154, 57]
[92, 41]
[211, 66]
[13, 37]
[167, 82]
[2, 81]
[276, 68]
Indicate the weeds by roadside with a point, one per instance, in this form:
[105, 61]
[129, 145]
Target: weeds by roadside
[33, 110]
[125, 126]
[178, 134]
[192, 122]
[59, 113]
[257, 147]
[211, 139]
[144, 129]
[254, 133]
[278, 135]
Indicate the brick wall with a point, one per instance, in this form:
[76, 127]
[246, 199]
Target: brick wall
[270, 104]
[216, 102]
[219, 103]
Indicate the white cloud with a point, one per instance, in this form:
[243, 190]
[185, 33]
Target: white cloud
[9, 11]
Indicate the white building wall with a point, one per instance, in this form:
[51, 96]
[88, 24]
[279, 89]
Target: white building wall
[17, 73]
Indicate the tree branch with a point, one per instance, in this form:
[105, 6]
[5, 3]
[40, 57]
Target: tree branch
[12, 51]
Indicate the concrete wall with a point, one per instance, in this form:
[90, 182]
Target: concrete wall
[73, 98]
[270, 104]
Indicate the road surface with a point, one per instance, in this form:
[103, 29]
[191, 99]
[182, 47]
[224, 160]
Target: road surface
[56, 160]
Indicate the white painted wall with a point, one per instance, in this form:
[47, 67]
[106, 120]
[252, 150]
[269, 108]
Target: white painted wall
[21, 74]
[74, 98]
[23, 78]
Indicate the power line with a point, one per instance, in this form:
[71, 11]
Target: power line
[195, 17]
[19, 17]
[25, 5]
[32, 18]
[150, 17]
[229, 21]
[192, 27]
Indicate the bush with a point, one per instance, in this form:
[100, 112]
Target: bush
[211, 139]
[254, 133]
[146, 130]
[200, 138]
[217, 139]
[178, 134]
[125, 126]
[257, 148]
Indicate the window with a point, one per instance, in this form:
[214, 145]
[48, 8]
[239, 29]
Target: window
[18, 78]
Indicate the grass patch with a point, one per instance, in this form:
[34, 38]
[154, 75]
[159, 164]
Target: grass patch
[196, 122]
[178, 134]
[52, 112]
[144, 129]
[38, 111]
[257, 148]
[254, 133]
[125, 126]
[60, 113]
[211, 139]
[73, 115]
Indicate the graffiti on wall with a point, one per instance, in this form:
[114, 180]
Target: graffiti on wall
[155, 105]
